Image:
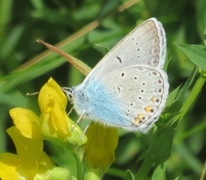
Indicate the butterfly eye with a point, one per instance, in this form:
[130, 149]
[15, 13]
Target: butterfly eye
[69, 92]
[70, 96]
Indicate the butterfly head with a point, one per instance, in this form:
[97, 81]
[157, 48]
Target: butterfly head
[69, 93]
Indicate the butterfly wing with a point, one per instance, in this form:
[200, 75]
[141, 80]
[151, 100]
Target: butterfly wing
[127, 88]
[145, 45]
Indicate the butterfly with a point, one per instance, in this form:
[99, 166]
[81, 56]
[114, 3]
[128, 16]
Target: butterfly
[128, 87]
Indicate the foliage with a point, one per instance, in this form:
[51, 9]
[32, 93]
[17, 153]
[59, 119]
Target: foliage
[87, 29]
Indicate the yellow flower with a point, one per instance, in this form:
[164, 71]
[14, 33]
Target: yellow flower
[99, 151]
[54, 119]
[8, 166]
[53, 123]
[52, 102]
[27, 122]
[31, 162]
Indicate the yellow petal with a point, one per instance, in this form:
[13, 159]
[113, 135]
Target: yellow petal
[59, 121]
[54, 121]
[100, 147]
[26, 122]
[52, 89]
[9, 167]
[48, 171]
[29, 152]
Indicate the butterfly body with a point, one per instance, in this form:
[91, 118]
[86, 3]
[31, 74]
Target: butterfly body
[127, 88]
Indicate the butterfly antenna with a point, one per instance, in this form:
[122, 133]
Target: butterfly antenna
[32, 93]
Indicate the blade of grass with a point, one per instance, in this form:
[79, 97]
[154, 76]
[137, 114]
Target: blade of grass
[82, 67]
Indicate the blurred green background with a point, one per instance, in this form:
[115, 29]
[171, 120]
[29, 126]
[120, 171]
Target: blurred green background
[24, 69]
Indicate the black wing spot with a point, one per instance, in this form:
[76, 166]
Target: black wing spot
[142, 90]
[119, 89]
[159, 81]
[154, 73]
[135, 77]
[159, 90]
[157, 100]
[132, 104]
[119, 59]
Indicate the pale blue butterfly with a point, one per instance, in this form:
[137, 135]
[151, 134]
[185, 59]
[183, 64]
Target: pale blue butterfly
[127, 88]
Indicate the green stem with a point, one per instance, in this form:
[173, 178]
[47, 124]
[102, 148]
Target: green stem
[144, 169]
[192, 96]
[80, 165]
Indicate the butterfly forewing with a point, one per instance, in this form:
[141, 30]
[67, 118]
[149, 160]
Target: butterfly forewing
[145, 45]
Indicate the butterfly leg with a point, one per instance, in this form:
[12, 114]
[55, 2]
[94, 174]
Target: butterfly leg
[70, 111]
[78, 121]
[80, 117]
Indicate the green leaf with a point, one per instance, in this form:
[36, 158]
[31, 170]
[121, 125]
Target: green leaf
[196, 53]
[158, 152]
[159, 173]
